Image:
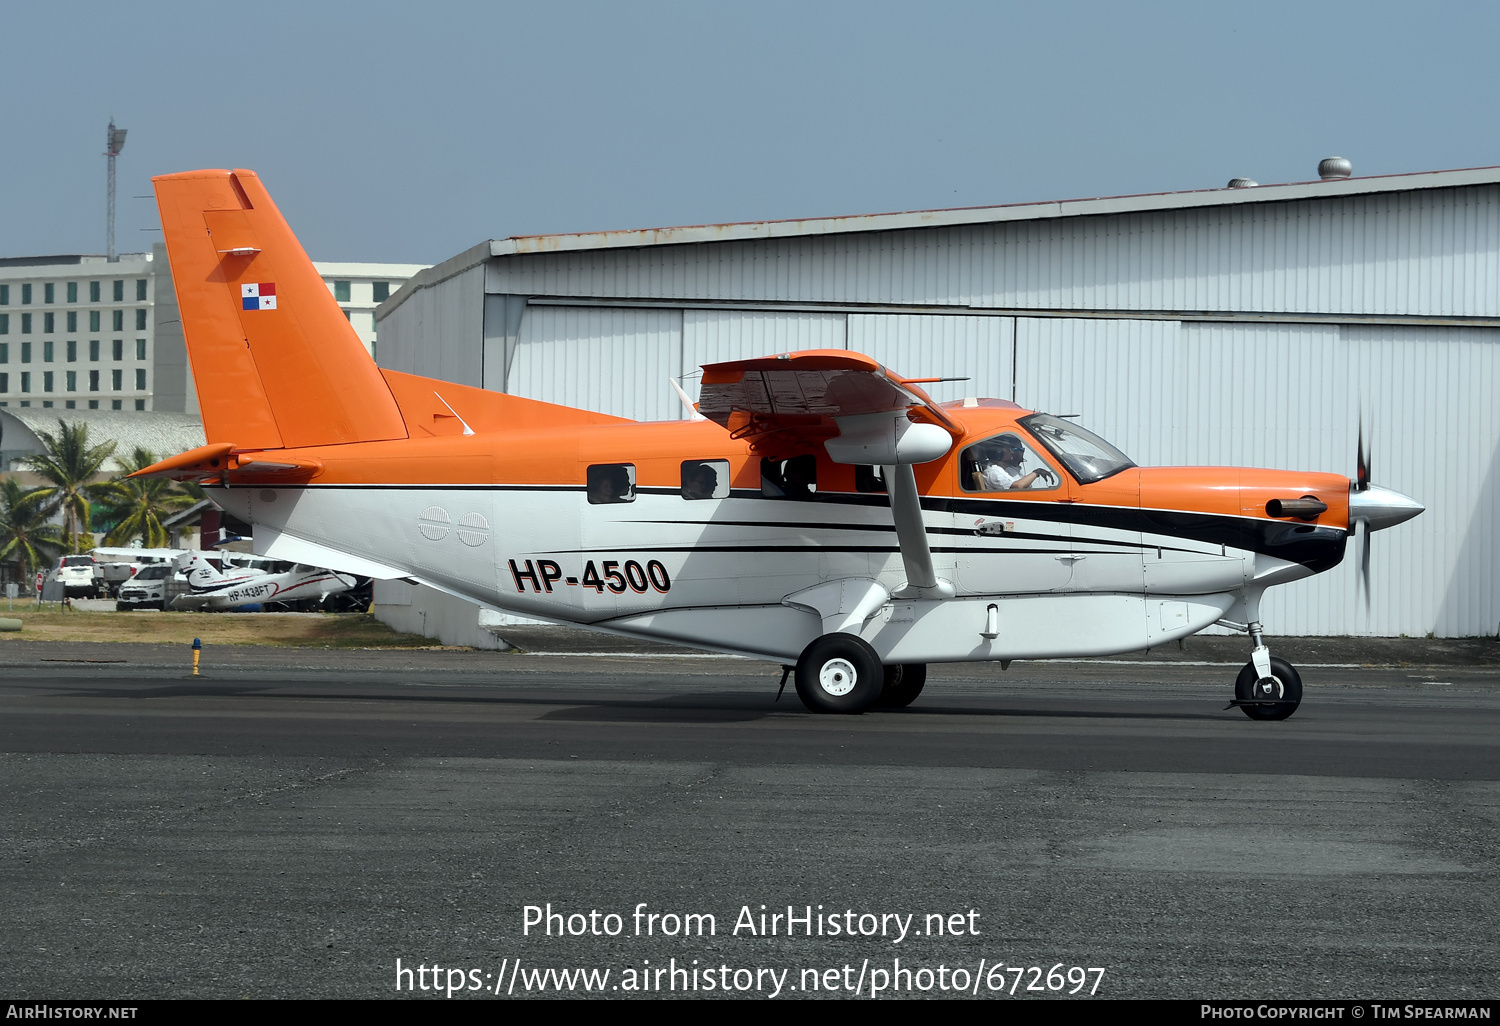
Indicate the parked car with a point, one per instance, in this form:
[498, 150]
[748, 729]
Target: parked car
[147, 589]
[77, 576]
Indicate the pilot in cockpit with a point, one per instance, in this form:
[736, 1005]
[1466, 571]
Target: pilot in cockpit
[997, 467]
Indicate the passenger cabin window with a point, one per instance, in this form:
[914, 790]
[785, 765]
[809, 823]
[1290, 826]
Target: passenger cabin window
[796, 478]
[1004, 463]
[705, 479]
[611, 482]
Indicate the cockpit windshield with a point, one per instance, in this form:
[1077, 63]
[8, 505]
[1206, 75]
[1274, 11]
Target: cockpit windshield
[1088, 457]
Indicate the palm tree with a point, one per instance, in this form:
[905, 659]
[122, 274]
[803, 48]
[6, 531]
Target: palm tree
[139, 505]
[70, 464]
[25, 536]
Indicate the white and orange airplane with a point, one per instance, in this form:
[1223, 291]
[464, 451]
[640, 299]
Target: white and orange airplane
[819, 509]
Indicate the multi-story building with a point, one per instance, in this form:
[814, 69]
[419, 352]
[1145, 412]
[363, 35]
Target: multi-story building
[76, 332]
[81, 332]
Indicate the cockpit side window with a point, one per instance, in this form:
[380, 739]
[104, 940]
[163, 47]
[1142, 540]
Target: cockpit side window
[1005, 463]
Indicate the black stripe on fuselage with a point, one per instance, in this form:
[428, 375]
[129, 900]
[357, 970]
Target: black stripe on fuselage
[812, 547]
[959, 532]
[1315, 547]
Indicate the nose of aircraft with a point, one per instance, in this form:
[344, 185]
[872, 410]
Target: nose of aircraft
[1381, 507]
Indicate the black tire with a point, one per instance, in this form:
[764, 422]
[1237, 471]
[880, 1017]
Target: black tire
[1287, 688]
[839, 673]
[903, 683]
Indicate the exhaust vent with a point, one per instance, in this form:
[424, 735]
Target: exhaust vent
[1242, 183]
[1331, 168]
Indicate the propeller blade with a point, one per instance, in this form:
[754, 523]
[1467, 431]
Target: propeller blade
[1364, 562]
[1362, 461]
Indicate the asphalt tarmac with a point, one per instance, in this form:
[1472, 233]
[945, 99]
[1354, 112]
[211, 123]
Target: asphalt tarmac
[293, 822]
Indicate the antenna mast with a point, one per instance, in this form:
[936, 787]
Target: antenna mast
[114, 143]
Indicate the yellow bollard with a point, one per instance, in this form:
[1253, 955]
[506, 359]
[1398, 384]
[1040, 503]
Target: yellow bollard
[197, 651]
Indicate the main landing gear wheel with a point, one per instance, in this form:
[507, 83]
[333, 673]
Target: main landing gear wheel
[903, 683]
[1274, 698]
[839, 673]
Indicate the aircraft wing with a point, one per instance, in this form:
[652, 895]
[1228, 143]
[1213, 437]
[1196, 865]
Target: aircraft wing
[131, 555]
[795, 401]
[858, 412]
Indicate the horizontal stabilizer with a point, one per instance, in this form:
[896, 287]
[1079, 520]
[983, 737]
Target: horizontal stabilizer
[204, 461]
[222, 459]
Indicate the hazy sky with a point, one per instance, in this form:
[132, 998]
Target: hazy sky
[408, 132]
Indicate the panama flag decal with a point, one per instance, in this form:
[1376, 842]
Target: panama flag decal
[260, 296]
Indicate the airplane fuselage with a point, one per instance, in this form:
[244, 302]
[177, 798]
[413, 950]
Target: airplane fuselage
[1136, 560]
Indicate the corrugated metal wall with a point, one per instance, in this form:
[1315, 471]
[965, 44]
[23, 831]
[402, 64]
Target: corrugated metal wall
[438, 332]
[1430, 253]
[616, 361]
[1294, 396]
[1431, 415]
[928, 346]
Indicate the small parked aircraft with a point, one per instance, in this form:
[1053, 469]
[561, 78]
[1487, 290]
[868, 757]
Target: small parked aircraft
[237, 586]
[819, 509]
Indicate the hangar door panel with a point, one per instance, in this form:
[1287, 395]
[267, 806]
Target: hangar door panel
[612, 360]
[934, 345]
[1121, 377]
[1433, 428]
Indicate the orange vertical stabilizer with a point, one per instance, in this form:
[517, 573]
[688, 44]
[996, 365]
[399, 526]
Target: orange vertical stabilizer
[276, 362]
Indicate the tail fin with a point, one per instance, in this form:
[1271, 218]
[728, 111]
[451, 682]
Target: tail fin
[276, 362]
[200, 572]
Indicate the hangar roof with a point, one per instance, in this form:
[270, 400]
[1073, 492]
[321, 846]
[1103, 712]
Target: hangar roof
[992, 214]
[522, 245]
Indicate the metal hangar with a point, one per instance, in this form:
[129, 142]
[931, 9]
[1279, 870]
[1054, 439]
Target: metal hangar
[1250, 325]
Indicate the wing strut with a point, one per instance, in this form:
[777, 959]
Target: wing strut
[922, 580]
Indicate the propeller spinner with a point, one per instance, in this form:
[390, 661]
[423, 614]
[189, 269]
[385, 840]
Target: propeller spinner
[1372, 508]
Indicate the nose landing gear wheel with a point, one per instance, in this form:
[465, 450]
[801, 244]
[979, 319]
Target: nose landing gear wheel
[839, 673]
[1274, 698]
[903, 683]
